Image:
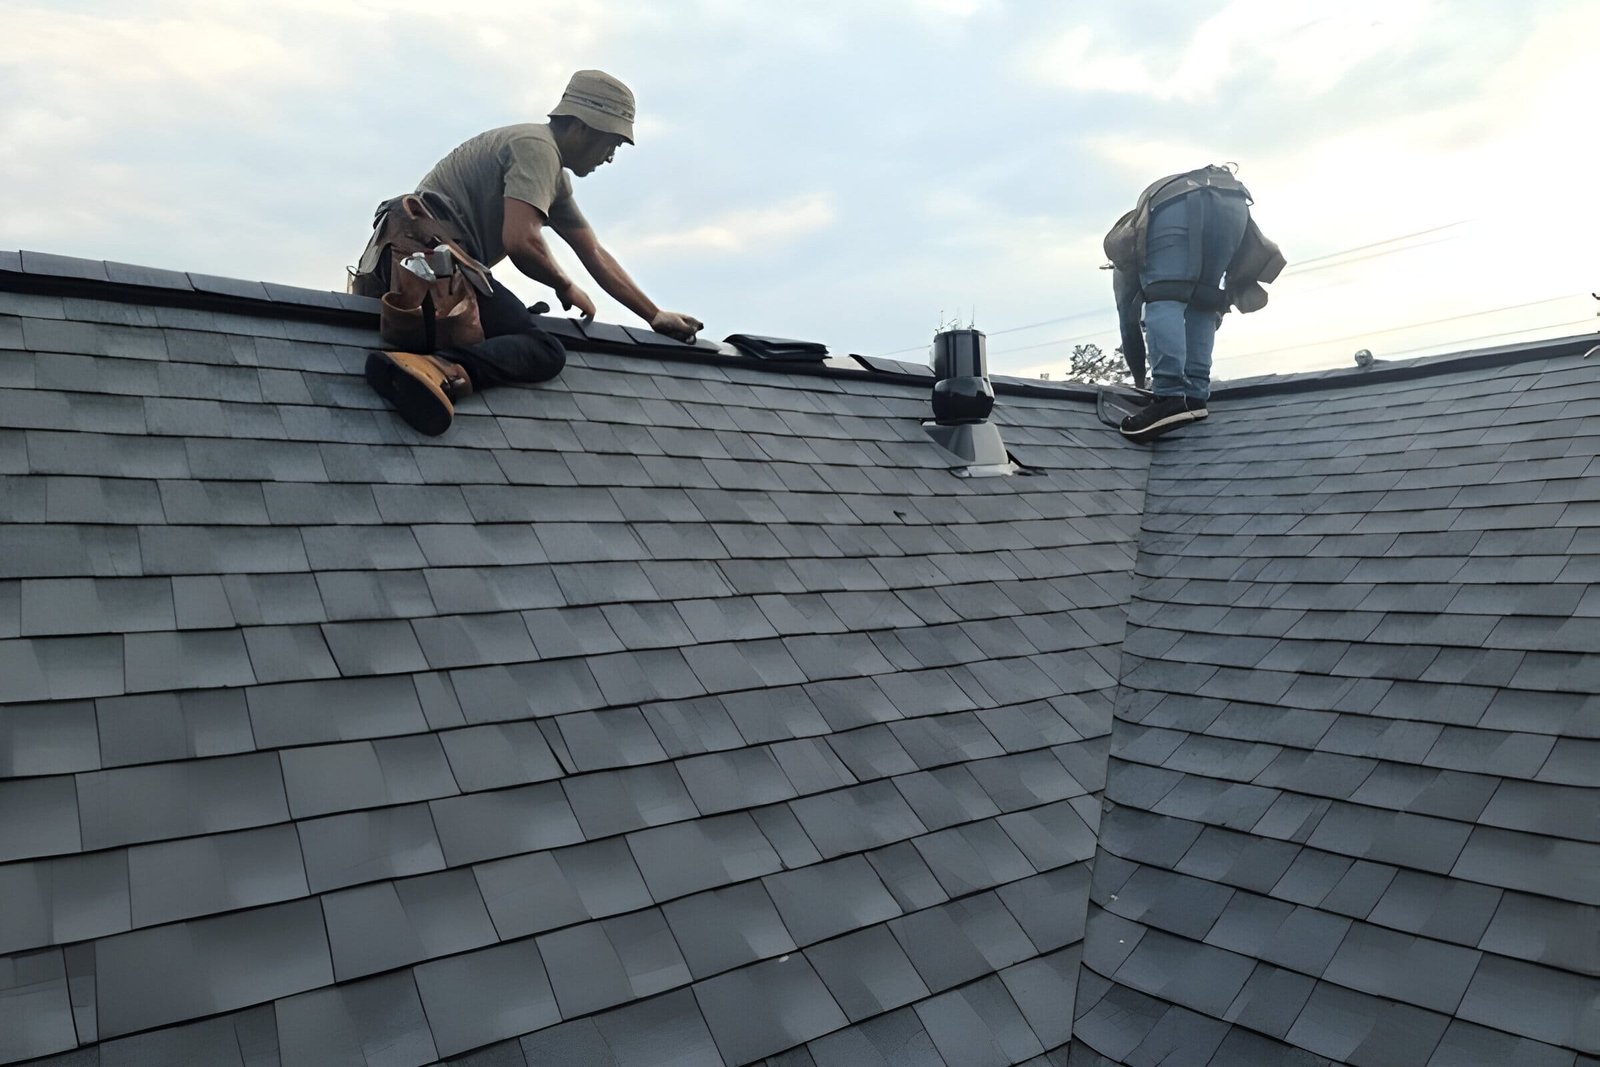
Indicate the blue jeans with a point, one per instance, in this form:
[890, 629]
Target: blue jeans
[1191, 240]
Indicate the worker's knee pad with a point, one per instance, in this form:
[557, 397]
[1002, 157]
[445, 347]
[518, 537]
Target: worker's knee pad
[1178, 290]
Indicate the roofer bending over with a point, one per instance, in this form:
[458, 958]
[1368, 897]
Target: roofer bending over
[1187, 251]
[492, 198]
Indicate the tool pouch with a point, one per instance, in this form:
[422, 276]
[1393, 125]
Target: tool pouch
[421, 312]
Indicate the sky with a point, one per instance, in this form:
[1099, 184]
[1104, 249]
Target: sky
[856, 173]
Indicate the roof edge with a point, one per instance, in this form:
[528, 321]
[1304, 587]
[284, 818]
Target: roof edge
[1408, 370]
[56, 275]
[53, 275]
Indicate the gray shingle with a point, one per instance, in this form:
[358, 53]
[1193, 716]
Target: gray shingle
[1196, 976]
[826, 899]
[543, 890]
[376, 647]
[171, 726]
[95, 605]
[614, 802]
[962, 940]
[728, 781]
[979, 1025]
[499, 754]
[471, 640]
[687, 857]
[288, 653]
[243, 1039]
[862, 817]
[727, 928]
[386, 925]
[364, 846]
[867, 973]
[1044, 989]
[1444, 909]
[766, 1008]
[365, 774]
[64, 668]
[479, 826]
[485, 996]
[35, 1009]
[602, 739]
[763, 715]
[228, 962]
[907, 877]
[1347, 1026]
[897, 1039]
[352, 1025]
[1047, 906]
[216, 873]
[300, 713]
[69, 898]
[1271, 1000]
[1502, 857]
[133, 804]
[612, 961]
[667, 1031]
[1397, 966]
[1547, 1005]
[973, 856]
[1476, 1046]
[1538, 929]
[786, 836]
[39, 739]
[526, 690]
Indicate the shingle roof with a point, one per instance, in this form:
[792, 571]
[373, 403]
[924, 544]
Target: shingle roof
[1356, 646]
[687, 710]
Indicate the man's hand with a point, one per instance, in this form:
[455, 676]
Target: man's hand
[677, 325]
[571, 296]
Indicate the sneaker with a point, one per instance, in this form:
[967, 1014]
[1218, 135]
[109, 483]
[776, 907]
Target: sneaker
[419, 387]
[1197, 408]
[1156, 418]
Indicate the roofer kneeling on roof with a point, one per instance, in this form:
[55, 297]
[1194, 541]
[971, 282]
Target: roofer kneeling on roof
[493, 197]
[1186, 252]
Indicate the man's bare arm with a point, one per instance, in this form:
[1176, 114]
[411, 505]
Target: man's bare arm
[604, 268]
[523, 235]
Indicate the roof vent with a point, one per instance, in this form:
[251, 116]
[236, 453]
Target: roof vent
[962, 400]
[780, 349]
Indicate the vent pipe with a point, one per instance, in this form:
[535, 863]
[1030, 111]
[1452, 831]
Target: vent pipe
[962, 401]
[961, 389]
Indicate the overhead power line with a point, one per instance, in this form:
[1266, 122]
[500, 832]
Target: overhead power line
[1304, 263]
[1009, 329]
[1300, 267]
[1494, 336]
[1365, 334]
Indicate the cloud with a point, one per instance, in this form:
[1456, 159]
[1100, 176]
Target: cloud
[1306, 57]
[741, 230]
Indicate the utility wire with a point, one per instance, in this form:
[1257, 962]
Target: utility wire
[1364, 334]
[1492, 336]
[1377, 244]
[1301, 266]
[1009, 329]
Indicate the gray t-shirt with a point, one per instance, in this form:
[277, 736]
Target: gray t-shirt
[519, 161]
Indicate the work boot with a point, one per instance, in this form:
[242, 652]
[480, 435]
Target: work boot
[1156, 418]
[419, 387]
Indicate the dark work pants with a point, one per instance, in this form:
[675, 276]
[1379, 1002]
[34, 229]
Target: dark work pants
[514, 348]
